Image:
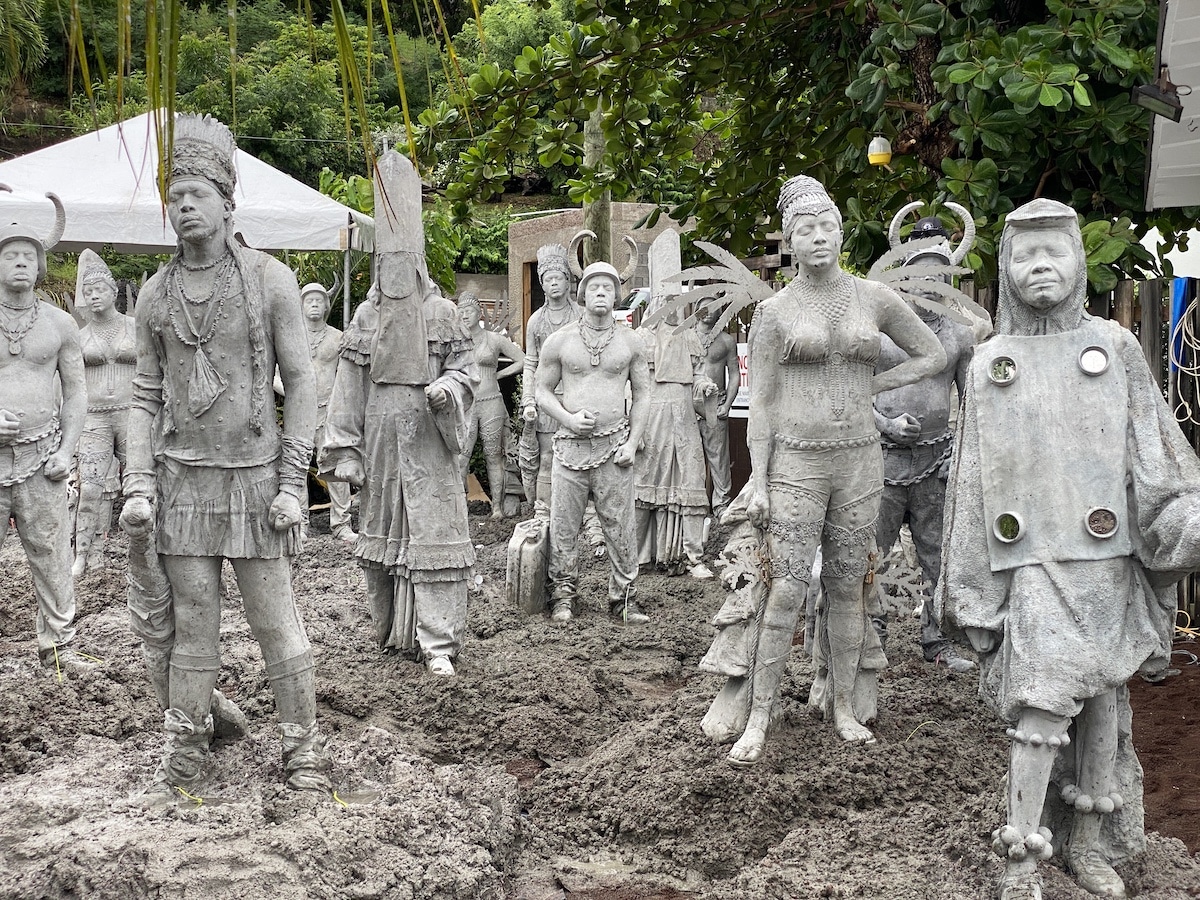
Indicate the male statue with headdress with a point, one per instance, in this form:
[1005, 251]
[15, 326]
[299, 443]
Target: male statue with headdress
[398, 417]
[536, 453]
[324, 348]
[210, 466]
[1073, 509]
[39, 431]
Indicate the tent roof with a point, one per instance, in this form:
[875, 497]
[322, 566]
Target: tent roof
[106, 181]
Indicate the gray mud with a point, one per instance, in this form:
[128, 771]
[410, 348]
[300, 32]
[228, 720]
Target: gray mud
[563, 761]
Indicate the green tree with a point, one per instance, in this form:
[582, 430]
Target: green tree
[22, 42]
[719, 100]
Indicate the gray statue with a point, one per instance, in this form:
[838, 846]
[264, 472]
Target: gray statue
[1073, 508]
[721, 367]
[209, 464]
[109, 355]
[594, 363]
[817, 468]
[39, 431]
[489, 415]
[397, 421]
[559, 311]
[324, 349]
[914, 429]
[669, 492]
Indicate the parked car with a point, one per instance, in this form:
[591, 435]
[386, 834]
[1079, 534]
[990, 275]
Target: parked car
[629, 309]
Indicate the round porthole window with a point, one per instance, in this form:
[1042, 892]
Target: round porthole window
[1094, 360]
[1008, 527]
[1101, 522]
[1002, 370]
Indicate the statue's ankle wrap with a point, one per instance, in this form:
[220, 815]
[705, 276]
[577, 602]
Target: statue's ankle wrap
[1009, 843]
[305, 757]
[187, 749]
[1086, 803]
[1036, 739]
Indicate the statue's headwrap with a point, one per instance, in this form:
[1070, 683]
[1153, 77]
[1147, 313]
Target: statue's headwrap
[92, 269]
[204, 148]
[1013, 316]
[553, 258]
[803, 195]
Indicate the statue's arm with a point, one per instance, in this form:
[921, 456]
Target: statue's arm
[291, 353]
[639, 383]
[74, 397]
[510, 349]
[147, 401]
[529, 368]
[549, 374]
[733, 375]
[925, 354]
[765, 351]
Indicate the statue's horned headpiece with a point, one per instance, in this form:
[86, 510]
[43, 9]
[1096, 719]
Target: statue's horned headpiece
[316, 287]
[552, 258]
[204, 148]
[573, 256]
[15, 232]
[925, 228]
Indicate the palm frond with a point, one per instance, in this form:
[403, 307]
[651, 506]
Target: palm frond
[928, 286]
[729, 286]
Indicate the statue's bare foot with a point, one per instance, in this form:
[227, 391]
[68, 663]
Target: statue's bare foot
[749, 749]
[1095, 875]
[851, 730]
[497, 512]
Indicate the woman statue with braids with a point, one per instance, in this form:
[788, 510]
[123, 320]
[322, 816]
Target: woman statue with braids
[109, 360]
[817, 470]
[489, 416]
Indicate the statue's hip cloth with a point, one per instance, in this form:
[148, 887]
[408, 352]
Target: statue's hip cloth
[823, 496]
[211, 511]
[29, 451]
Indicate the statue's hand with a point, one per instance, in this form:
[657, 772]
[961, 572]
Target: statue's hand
[284, 512]
[982, 639]
[624, 455]
[758, 510]
[904, 429]
[437, 395]
[529, 411]
[350, 470]
[136, 515]
[582, 422]
[944, 469]
[10, 427]
[57, 466]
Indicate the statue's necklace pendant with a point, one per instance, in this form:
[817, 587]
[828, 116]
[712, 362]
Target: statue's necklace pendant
[14, 347]
[595, 359]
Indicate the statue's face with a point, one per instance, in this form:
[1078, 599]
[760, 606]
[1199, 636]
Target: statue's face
[197, 212]
[471, 315]
[599, 295]
[709, 316]
[18, 265]
[555, 285]
[316, 306]
[817, 240]
[1042, 266]
[100, 297]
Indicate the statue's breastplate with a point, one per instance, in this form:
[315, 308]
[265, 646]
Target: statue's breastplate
[1053, 415]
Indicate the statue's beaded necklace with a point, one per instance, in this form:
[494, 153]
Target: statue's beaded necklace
[596, 350]
[17, 334]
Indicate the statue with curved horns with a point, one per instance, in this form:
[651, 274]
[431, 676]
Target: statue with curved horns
[39, 431]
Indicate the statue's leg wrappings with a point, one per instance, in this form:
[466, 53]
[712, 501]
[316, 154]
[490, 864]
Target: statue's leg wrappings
[1022, 842]
[492, 434]
[195, 587]
[441, 616]
[1096, 734]
[185, 753]
[95, 453]
[545, 475]
[39, 507]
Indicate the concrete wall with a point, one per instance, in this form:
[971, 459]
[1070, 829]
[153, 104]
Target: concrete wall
[526, 235]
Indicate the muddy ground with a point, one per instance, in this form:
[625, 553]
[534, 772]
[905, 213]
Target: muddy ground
[563, 761]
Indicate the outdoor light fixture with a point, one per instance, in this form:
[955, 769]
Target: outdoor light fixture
[879, 151]
[1161, 97]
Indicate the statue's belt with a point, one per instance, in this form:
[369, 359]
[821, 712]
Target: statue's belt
[581, 452]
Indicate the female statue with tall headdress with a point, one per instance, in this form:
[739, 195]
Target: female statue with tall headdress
[817, 469]
[109, 360]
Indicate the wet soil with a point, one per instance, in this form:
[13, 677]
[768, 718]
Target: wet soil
[561, 762]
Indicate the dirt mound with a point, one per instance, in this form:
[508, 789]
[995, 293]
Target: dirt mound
[562, 761]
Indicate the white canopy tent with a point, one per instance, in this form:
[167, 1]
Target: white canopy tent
[107, 182]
